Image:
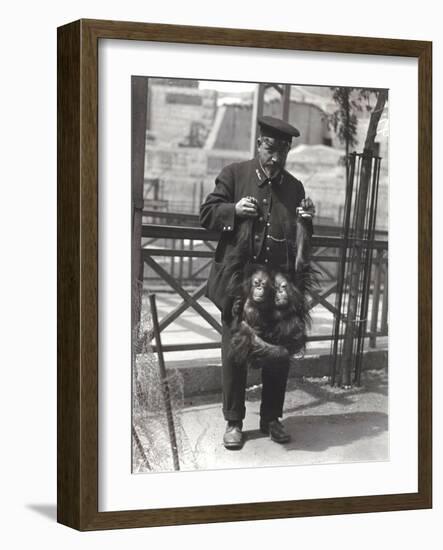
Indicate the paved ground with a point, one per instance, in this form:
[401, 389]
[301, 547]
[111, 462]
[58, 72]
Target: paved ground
[327, 425]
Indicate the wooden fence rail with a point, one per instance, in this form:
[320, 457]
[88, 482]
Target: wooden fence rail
[196, 247]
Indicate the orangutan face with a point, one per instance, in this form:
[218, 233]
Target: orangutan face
[281, 291]
[261, 287]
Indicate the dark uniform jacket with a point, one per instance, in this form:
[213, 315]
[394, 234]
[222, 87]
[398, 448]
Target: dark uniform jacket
[272, 232]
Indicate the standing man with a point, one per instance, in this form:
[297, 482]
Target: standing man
[260, 191]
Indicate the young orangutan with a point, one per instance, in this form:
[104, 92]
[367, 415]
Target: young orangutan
[252, 320]
[270, 320]
[290, 316]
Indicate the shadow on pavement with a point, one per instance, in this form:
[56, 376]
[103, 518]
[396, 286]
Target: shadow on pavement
[318, 433]
[322, 392]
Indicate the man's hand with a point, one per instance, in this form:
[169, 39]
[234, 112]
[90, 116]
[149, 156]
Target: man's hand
[306, 209]
[247, 207]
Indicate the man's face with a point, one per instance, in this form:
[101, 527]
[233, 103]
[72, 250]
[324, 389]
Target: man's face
[272, 153]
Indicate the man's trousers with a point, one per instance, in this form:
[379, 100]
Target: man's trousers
[274, 379]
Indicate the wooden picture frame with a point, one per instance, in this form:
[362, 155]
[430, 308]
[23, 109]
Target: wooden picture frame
[77, 457]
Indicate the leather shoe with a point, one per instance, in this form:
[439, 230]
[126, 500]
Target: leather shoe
[275, 429]
[233, 436]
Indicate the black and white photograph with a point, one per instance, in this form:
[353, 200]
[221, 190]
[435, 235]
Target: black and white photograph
[259, 274]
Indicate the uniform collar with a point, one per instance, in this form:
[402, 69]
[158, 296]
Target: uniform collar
[262, 176]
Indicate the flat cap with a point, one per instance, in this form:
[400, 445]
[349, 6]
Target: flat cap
[277, 128]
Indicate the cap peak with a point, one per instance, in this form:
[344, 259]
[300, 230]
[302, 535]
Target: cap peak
[276, 127]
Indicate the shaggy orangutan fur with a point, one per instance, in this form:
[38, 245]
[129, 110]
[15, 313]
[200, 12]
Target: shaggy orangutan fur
[268, 333]
[252, 322]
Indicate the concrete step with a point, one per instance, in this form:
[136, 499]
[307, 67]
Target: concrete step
[201, 376]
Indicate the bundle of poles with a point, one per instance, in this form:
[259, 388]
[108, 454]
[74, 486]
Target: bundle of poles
[354, 268]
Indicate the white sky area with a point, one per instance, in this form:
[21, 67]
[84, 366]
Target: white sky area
[220, 86]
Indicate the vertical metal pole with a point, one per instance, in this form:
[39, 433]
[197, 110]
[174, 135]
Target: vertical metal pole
[384, 310]
[139, 99]
[194, 195]
[190, 260]
[375, 300]
[370, 234]
[347, 126]
[286, 99]
[257, 110]
[172, 258]
[180, 265]
[164, 383]
[342, 265]
[156, 186]
[202, 189]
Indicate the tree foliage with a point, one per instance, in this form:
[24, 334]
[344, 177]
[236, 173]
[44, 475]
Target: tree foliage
[350, 102]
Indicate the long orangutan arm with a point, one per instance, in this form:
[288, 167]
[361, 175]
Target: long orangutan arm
[304, 230]
[260, 349]
[302, 245]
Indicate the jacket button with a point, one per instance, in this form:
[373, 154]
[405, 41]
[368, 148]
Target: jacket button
[265, 201]
[260, 219]
[254, 257]
[266, 260]
[257, 237]
[268, 224]
[268, 248]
